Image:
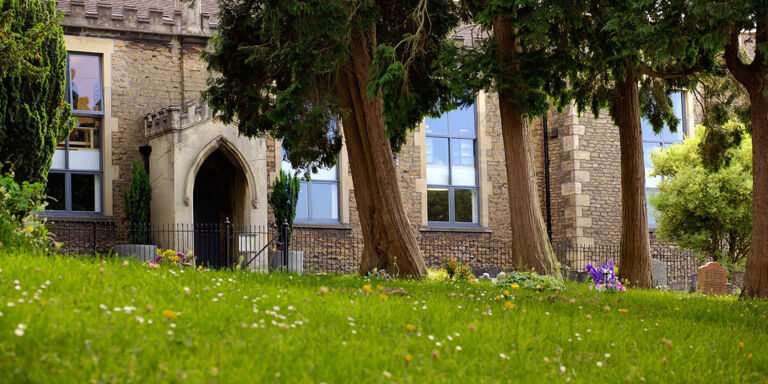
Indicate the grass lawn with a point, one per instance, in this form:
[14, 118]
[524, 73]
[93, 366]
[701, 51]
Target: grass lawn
[81, 320]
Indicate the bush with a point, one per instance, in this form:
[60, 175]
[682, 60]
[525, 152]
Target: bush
[20, 227]
[284, 197]
[458, 271]
[532, 280]
[137, 201]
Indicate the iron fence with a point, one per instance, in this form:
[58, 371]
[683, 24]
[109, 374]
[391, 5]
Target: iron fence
[225, 245]
[680, 264]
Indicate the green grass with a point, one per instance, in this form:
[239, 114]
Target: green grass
[349, 336]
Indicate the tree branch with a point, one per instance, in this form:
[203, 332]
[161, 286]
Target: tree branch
[739, 70]
[667, 75]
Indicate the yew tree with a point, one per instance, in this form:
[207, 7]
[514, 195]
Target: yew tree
[628, 57]
[293, 69]
[516, 59]
[735, 24]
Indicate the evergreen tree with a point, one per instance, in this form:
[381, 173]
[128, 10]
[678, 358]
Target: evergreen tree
[734, 23]
[291, 69]
[628, 56]
[518, 60]
[33, 118]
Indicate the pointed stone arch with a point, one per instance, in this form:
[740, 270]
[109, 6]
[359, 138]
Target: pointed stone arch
[220, 142]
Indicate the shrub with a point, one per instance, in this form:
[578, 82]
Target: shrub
[20, 227]
[532, 280]
[137, 201]
[170, 257]
[284, 197]
[457, 270]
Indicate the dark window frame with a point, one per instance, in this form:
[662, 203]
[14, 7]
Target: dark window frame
[451, 187]
[67, 171]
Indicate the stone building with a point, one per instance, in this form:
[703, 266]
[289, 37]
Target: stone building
[135, 82]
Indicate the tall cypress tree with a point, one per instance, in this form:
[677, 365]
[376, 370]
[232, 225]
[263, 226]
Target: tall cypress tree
[32, 83]
[292, 69]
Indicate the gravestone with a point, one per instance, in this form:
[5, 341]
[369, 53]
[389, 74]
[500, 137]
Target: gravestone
[659, 273]
[737, 278]
[712, 279]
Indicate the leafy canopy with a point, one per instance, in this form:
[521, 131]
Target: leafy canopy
[279, 59]
[657, 38]
[708, 210]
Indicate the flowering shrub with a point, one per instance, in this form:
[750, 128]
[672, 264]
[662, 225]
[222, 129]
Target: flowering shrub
[458, 271]
[20, 226]
[604, 278]
[172, 258]
[437, 274]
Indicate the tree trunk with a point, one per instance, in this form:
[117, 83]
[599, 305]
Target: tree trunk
[389, 243]
[756, 276]
[530, 243]
[635, 256]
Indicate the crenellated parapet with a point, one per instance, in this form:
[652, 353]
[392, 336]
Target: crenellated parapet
[129, 21]
[175, 118]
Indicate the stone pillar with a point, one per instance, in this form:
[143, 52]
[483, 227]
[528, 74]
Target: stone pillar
[190, 16]
[575, 201]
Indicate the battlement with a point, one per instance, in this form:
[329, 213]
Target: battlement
[129, 21]
[175, 118]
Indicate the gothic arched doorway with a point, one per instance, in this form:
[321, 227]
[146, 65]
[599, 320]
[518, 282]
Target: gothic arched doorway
[219, 195]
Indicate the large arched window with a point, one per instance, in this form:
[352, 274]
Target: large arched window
[452, 187]
[664, 139]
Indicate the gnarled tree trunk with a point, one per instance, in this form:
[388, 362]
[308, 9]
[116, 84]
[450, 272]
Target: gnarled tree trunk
[635, 253]
[389, 243]
[530, 242]
[754, 79]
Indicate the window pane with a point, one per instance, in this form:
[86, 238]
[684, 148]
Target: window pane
[437, 204]
[677, 105]
[437, 161]
[302, 208]
[462, 121]
[55, 190]
[437, 126]
[325, 174]
[648, 130]
[86, 193]
[465, 201]
[85, 77]
[59, 159]
[325, 201]
[462, 162]
[648, 148]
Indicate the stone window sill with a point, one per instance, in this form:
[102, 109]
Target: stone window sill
[337, 226]
[456, 229]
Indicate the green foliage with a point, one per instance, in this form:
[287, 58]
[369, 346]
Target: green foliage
[280, 60]
[283, 199]
[20, 227]
[707, 210]
[32, 83]
[658, 39]
[533, 280]
[457, 270]
[137, 200]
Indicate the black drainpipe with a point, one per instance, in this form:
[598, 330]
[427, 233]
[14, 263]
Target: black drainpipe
[547, 200]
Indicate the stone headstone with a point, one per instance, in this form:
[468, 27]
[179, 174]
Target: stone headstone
[659, 273]
[712, 279]
[738, 279]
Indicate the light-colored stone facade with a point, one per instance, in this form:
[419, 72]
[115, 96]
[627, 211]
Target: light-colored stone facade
[153, 77]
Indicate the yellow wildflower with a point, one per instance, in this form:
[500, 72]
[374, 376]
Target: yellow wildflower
[623, 310]
[367, 288]
[677, 309]
[170, 314]
[408, 358]
[497, 298]
[379, 287]
[383, 297]
[31, 228]
[409, 327]
[525, 310]
[200, 267]
[506, 292]
[741, 344]
[515, 286]
[508, 305]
